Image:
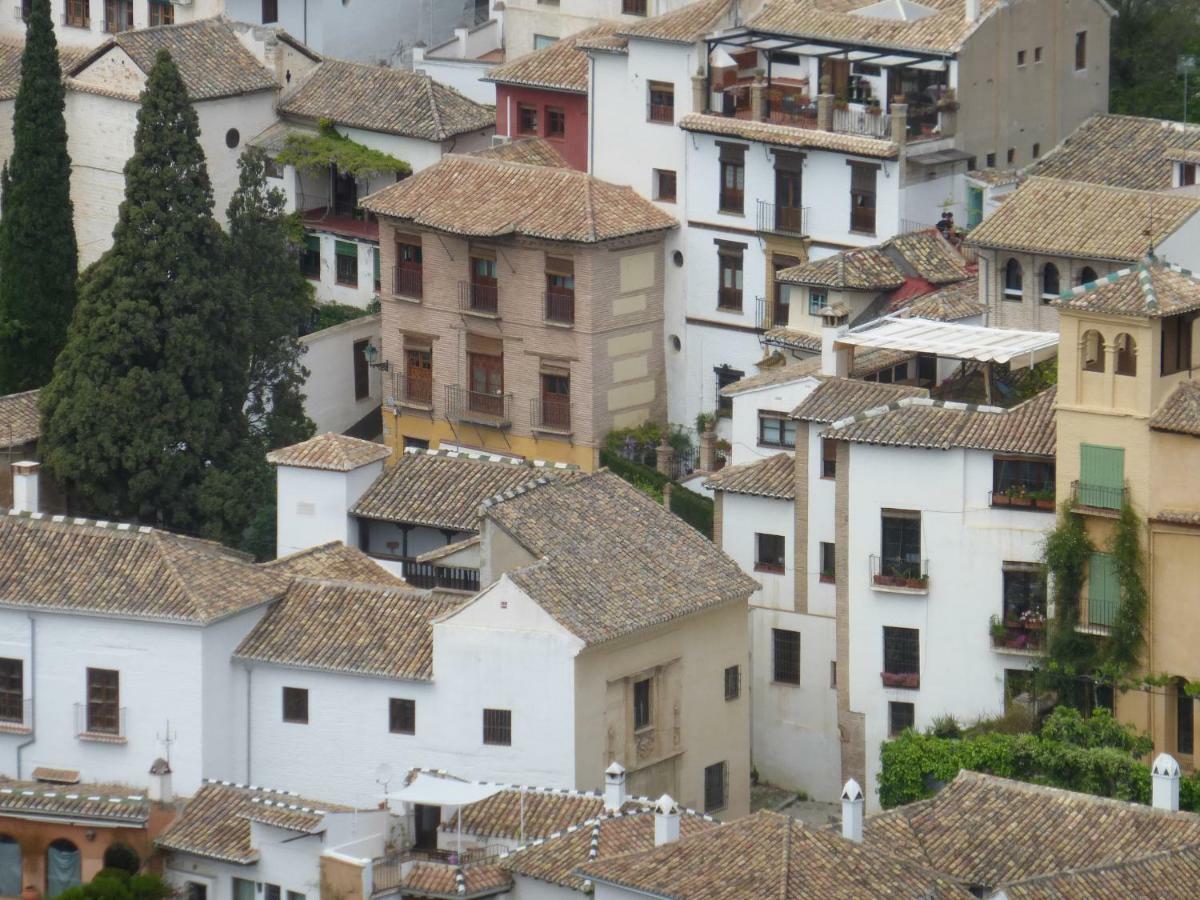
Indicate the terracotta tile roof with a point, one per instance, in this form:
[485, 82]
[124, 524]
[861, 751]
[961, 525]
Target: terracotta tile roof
[438, 880]
[788, 136]
[1170, 875]
[769, 855]
[1122, 151]
[442, 490]
[339, 626]
[615, 560]
[216, 822]
[56, 776]
[685, 25]
[546, 811]
[1148, 290]
[335, 561]
[1067, 218]
[125, 570]
[556, 859]
[391, 101]
[934, 424]
[782, 336]
[560, 66]
[212, 62]
[1180, 412]
[329, 451]
[773, 476]
[807, 368]
[988, 831]
[837, 398]
[536, 201]
[1179, 516]
[10, 65]
[928, 255]
[995, 177]
[530, 151]
[20, 421]
[112, 804]
[866, 269]
[948, 304]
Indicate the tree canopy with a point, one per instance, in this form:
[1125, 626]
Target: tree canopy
[1148, 37]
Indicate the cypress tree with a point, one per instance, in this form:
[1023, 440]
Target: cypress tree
[145, 399]
[38, 255]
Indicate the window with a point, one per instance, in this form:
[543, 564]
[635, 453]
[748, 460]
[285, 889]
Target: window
[409, 277]
[497, 727]
[785, 647]
[1011, 156]
[818, 299]
[362, 380]
[828, 458]
[12, 691]
[1013, 280]
[664, 185]
[556, 401]
[1080, 50]
[1086, 275]
[833, 673]
[544, 40]
[560, 290]
[1177, 343]
[295, 705]
[901, 546]
[243, 889]
[715, 797]
[1036, 152]
[1050, 282]
[118, 15]
[776, 430]
[726, 376]
[733, 682]
[828, 562]
[271, 892]
[729, 294]
[310, 257]
[733, 179]
[862, 197]
[294, 895]
[103, 701]
[1104, 590]
[347, 263]
[162, 12]
[900, 717]
[1101, 476]
[527, 119]
[1017, 477]
[1126, 354]
[768, 553]
[270, 11]
[1020, 57]
[1093, 351]
[1185, 718]
[402, 715]
[1037, 54]
[416, 443]
[195, 890]
[641, 704]
[633, 7]
[556, 122]
[63, 867]
[991, 160]
[1024, 591]
[662, 102]
[901, 657]
[1187, 174]
[78, 13]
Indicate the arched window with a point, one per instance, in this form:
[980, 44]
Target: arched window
[1012, 280]
[1093, 351]
[1126, 354]
[1086, 276]
[62, 867]
[10, 867]
[1050, 284]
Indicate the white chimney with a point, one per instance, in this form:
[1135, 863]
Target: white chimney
[972, 10]
[25, 486]
[1164, 780]
[833, 360]
[666, 821]
[160, 782]
[614, 787]
[852, 812]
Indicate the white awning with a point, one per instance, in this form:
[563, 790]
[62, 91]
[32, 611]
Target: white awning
[431, 790]
[952, 340]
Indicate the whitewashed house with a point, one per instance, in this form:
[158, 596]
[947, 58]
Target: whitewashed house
[343, 390]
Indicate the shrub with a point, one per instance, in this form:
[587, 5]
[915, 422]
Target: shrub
[945, 726]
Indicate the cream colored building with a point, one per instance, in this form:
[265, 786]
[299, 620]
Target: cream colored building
[532, 24]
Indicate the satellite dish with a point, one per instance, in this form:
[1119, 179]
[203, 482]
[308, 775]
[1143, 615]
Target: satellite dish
[383, 774]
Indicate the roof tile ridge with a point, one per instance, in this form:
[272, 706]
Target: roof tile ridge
[1110, 278]
[787, 859]
[1106, 866]
[166, 554]
[438, 128]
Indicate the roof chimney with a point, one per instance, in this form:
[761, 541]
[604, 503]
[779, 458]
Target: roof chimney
[666, 821]
[972, 10]
[25, 486]
[852, 812]
[1164, 778]
[614, 787]
[160, 782]
[834, 361]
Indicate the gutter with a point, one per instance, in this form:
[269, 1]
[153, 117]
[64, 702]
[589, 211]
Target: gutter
[33, 696]
[249, 675]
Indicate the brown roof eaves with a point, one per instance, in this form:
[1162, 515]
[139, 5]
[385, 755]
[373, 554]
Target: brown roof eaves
[788, 136]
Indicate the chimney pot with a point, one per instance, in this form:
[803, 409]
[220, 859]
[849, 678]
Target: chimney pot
[852, 812]
[972, 10]
[666, 821]
[160, 782]
[1164, 778]
[614, 787]
[25, 486]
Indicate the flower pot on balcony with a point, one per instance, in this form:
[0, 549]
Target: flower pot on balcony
[1001, 500]
[916, 583]
[901, 679]
[886, 580]
[1044, 503]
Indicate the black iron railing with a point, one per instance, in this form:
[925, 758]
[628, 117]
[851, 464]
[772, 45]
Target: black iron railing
[476, 297]
[479, 407]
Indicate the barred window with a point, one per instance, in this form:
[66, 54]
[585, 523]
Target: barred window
[901, 716]
[715, 787]
[103, 701]
[12, 690]
[402, 716]
[641, 703]
[902, 655]
[497, 727]
[786, 652]
[733, 682]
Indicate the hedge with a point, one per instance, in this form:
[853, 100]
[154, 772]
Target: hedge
[694, 509]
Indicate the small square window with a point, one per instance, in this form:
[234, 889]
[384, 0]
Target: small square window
[1037, 151]
[664, 185]
[786, 652]
[271, 892]
[295, 705]
[991, 160]
[776, 430]
[556, 122]
[833, 673]
[828, 458]
[633, 7]
[1020, 57]
[497, 727]
[402, 716]
[901, 717]
[828, 556]
[715, 797]
[733, 682]
[527, 119]
[1012, 155]
[641, 704]
[769, 553]
[817, 301]
[1037, 54]
[662, 102]
[1080, 51]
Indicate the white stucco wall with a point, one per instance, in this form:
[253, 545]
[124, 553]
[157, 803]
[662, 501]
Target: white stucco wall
[746, 408]
[312, 505]
[461, 74]
[329, 389]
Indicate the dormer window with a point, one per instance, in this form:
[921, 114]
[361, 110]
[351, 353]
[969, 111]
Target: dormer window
[1187, 174]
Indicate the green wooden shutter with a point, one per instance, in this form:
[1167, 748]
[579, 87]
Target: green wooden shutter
[344, 249]
[1104, 591]
[1101, 476]
[312, 243]
[974, 207]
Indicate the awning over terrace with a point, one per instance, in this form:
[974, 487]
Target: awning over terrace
[951, 340]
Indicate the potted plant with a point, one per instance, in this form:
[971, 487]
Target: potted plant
[841, 104]
[901, 679]
[948, 102]
[1043, 499]
[998, 630]
[1017, 496]
[916, 582]
[1033, 620]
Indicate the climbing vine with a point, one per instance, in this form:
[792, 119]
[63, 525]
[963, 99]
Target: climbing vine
[328, 147]
[1128, 637]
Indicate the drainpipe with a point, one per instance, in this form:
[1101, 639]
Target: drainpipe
[591, 163]
[249, 674]
[33, 683]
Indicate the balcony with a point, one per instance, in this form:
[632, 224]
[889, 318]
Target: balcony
[387, 871]
[106, 727]
[416, 393]
[17, 718]
[1018, 498]
[427, 575]
[560, 306]
[479, 298]
[477, 407]
[1097, 499]
[1026, 635]
[789, 220]
[900, 576]
[550, 413]
[408, 281]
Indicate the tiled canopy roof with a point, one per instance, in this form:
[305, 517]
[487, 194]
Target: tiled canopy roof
[1122, 151]
[947, 304]
[769, 855]
[111, 804]
[1170, 875]
[784, 374]
[442, 490]
[1180, 412]
[335, 561]
[995, 177]
[836, 398]
[928, 255]
[866, 269]
[933, 424]
[437, 880]
[392, 101]
[20, 422]
[1148, 290]
[340, 626]
[535, 201]
[615, 561]
[216, 821]
[560, 66]
[1179, 516]
[121, 570]
[530, 151]
[771, 477]
[794, 338]
[788, 136]
[542, 812]
[1073, 219]
[329, 451]
[685, 25]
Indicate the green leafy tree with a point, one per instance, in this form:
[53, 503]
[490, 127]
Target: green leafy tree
[118, 884]
[147, 395]
[38, 257]
[1147, 38]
